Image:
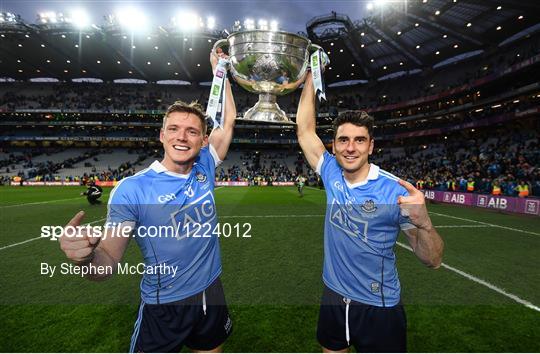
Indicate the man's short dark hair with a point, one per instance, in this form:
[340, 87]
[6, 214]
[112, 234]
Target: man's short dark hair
[358, 118]
[194, 108]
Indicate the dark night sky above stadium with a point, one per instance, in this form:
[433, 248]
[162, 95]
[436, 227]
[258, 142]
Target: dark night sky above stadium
[291, 15]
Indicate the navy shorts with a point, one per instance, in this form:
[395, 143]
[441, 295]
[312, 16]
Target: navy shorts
[370, 328]
[200, 322]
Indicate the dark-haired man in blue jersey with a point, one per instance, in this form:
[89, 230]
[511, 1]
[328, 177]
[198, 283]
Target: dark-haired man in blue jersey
[367, 207]
[169, 209]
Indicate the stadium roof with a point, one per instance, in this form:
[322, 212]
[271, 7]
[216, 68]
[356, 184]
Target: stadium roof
[402, 36]
[416, 35]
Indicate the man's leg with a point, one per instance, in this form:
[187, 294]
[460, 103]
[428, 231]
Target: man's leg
[215, 324]
[162, 328]
[331, 329]
[378, 329]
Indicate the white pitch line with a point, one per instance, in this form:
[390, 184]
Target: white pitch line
[50, 201]
[37, 238]
[36, 203]
[273, 216]
[459, 226]
[483, 282]
[43, 202]
[487, 224]
[471, 220]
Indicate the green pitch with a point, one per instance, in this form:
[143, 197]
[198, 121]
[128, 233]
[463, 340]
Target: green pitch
[481, 301]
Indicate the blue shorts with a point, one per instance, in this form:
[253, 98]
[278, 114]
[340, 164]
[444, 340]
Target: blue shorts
[200, 322]
[370, 328]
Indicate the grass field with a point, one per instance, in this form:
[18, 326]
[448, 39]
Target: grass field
[484, 299]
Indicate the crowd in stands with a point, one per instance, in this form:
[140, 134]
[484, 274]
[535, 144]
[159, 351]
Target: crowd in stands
[497, 161]
[21, 166]
[491, 161]
[258, 166]
[99, 97]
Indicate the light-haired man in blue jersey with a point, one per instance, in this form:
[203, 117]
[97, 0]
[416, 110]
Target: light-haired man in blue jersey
[366, 208]
[170, 211]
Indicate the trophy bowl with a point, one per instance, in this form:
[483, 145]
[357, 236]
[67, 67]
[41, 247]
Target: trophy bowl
[269, 63]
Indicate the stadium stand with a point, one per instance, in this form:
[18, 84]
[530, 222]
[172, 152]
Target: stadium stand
[428, 97]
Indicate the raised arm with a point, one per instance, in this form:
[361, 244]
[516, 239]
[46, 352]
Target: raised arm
[311, 144]
[221, 138]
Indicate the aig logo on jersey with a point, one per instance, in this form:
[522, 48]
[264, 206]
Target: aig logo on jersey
[166, 198]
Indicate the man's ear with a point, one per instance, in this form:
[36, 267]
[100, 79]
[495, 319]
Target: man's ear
[334, 146]
[161, 137]
[371, 145]
[205, 140]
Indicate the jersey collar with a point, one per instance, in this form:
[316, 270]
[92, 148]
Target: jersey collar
[158, 167]
[372, 174]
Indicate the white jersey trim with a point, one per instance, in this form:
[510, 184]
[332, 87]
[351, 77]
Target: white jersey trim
[406, 226]
[389, 175]
[372, 175]
[214, 154]
[158, 167]
[319, 164]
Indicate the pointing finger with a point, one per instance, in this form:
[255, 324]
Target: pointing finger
[94, 240]
[77, 219]
[408, 186]
[405, 200]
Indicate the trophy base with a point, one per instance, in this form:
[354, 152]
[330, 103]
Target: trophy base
[267, 110]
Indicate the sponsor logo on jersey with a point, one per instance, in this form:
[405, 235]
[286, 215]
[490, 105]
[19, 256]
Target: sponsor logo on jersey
[166, 198]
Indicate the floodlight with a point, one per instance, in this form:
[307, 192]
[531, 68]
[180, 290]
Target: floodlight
[8, 17]
[249, 24]
[263, 25]
[274, 25]
[187, 21]
[47, 17]
[132, 19]
[79, 18]
[211, 22]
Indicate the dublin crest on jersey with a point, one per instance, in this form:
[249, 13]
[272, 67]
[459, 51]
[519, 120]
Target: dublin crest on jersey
[201, 177]
[369, 206]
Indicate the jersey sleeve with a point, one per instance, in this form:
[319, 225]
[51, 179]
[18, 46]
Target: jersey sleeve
[208, 158]
[122, 204]
[327, 166]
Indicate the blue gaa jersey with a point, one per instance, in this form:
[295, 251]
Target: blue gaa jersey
[174, 217]
[361, 227]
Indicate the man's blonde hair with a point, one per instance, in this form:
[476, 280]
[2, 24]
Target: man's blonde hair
[194, 108]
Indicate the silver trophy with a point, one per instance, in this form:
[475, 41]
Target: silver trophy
[270, 63]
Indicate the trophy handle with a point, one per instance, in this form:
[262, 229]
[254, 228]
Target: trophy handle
[219, 44]
[313, 47]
